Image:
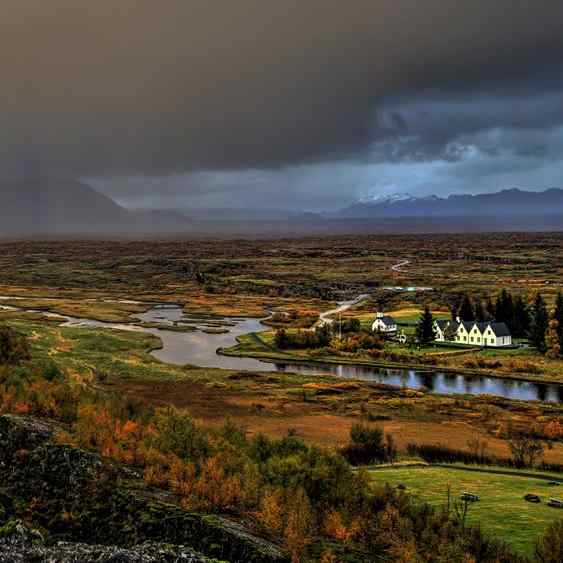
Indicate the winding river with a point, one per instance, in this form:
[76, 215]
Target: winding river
[200, 348]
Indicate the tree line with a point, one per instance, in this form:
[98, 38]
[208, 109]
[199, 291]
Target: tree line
[525, 319]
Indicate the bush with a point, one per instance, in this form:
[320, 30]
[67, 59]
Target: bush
[14, 347]
[367, 446]
[439, 453]
[361, 341]
[51, 370]
[549, 546]
[302, 339]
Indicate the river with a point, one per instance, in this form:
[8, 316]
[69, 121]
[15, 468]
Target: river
[200, 348]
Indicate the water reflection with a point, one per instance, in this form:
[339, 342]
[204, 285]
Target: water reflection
[199, 348]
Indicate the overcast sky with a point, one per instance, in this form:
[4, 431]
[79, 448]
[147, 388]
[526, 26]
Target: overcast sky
[295, 104]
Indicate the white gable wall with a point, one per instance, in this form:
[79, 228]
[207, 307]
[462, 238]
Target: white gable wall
[379, 325]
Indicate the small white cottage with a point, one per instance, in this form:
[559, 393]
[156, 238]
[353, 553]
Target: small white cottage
[384, 323]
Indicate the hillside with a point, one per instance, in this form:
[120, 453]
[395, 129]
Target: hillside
[54, 206]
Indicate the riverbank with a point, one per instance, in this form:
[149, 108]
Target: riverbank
[253, 346]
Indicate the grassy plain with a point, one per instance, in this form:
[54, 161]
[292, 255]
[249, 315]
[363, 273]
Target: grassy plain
[254, 277]
[114, 280]
[501, 510]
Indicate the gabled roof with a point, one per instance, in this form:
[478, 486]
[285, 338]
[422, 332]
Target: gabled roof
[500, 329]
[467, 325]
[386, 319]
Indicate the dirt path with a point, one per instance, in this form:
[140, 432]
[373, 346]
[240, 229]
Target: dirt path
[397, 267]
[345, 305]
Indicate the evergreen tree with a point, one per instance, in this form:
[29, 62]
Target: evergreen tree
[466, 312]
[425, 328]
[504, 309]
[521, 318]
[480, 315]
[490, 308]
[539, 323]
[558, 316]
[453, 313]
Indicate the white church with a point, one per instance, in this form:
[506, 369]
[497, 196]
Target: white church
[473, 333]
[384, 324]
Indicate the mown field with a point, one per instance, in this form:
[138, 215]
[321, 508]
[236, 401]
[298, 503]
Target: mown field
[501, 510]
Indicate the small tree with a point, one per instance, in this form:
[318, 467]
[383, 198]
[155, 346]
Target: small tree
[297, 533]
[425, 328]
[466, 312]
[552, 340]
[478, 447]
[323, 335]
[281, 339]
[526, 450]
[367, 445]
[539, 324]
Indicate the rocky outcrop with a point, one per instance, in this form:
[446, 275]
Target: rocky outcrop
[78, 501]
[20, 544]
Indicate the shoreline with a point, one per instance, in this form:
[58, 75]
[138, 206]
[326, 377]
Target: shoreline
[526, 378]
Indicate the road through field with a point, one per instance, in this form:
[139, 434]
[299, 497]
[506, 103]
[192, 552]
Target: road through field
[324, 318]
[397, 267]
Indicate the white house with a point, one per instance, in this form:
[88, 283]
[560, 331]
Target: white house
[384, 323]
[473, 333]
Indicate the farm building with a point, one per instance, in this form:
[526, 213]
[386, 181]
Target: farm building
[478, 334]
[384, 323]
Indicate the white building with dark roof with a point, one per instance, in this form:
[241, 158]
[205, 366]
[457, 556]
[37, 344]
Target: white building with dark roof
[384, 324]
[473, 333]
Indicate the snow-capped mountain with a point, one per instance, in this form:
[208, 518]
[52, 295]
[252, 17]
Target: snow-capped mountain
[503, 203]
[385, 198]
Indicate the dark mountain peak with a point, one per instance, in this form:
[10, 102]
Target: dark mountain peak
[62, 206]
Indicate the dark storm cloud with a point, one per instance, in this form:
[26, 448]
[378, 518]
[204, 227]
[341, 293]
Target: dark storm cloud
[514, 115]
[145, 87]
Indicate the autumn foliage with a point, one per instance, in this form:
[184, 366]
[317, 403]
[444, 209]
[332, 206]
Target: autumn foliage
[298, 495]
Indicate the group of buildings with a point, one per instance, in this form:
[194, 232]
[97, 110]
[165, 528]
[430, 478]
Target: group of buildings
[474, 333]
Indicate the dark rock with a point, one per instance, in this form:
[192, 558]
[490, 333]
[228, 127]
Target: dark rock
[78, 498]
[22, 433]
[16, 551]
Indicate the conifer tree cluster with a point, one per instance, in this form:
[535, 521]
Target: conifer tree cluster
[524, 320]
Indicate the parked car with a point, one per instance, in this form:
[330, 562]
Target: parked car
[555, 503]
[532, 498]
[469, 497]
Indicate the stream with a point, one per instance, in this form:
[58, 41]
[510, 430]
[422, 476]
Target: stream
[200, 349]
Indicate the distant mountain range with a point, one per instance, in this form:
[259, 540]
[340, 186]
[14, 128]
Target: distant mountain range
[54, 206]
[36, 207]
[510, 202]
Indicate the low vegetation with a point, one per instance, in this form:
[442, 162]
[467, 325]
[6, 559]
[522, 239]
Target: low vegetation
[501, 508]
[285, 454]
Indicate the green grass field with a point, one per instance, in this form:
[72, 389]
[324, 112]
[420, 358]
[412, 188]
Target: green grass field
[502, 511]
